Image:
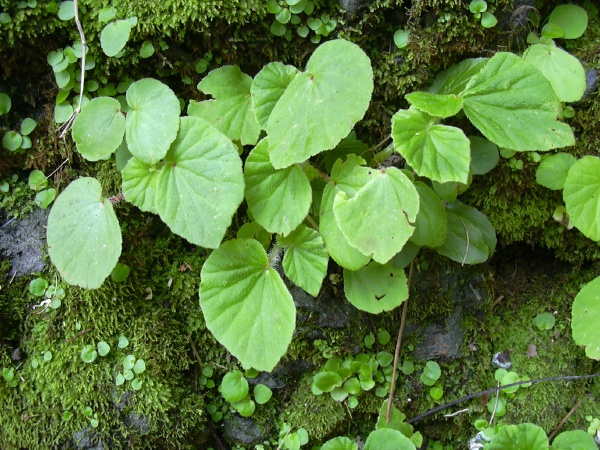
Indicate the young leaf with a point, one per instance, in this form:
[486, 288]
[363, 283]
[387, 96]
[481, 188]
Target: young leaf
[268, 86]
[471, 237]
[564, 71]
[525, 436]
[320, 106]
[139, 184]
[84, 237]
[202, 165]
[88, 354]
[432, 221]
[99, 128]
[553, 169]
[152, 122]
[388, 439]
[455, 79]
[378, 219]
[376, 288]
[230, 110]
[114, 37]
[435, 104]
[439, 152]
[574, 440]
[586, 316]
[572, 20]
[340, 443]
[246, 304]
[582, 196]
[514, 106]
[305, 260]
[279, 200]
[262, 394]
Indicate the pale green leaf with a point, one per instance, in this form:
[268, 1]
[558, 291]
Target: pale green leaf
[262, 394]
[340, 443]
[147, 49]
[484, 155]
[139, 184]
[378, 219]
[62, 112]
[586, 316]
[27, 126]
[279, 200]
[152, 122]
[553, 169]
[5, 103]
[99, 128]
[525, 436]
[12, 141]
[376, 288]
[432, 220]
[230, 110]
[234, 386]
[439, 152]
[513, 105]
[320, 106]
[84, 237]
[455, 79]
[571, 19]
[66, 10]
[564, 71]
[435, 104]
[246, 304]
[114, 37]
[305, 260]
[582, 196]
[471, 238]
[574, 440]
[388, 439]
[268, 86]
[201, 184]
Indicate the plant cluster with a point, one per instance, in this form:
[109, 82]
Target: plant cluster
[290, 13]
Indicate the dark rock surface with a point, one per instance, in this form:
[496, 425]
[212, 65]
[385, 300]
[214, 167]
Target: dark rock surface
[243, 431]
[22, 241]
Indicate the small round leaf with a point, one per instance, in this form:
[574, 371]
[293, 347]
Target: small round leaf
[89, 354]
[234, 386]
[103, 348]
[114, 37]
[262, 394]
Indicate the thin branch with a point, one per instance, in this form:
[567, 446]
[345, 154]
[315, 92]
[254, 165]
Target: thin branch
[378, 146]
[495, 405]
[78, 335]
[67, 126]
[398, 345]
[467, 250]
[506, 386]
[312, 222]
[569, 414]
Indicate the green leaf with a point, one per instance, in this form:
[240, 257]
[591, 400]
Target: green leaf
[320, 106]
[564, 71]
[340, 443]
[439, 152]
[388, 439]
[305, 260]
[514, 106]
[128, 362]
[37, 180]
[103, 348]
[432, 221]
[279, 200]
[432, 370]
[326, 381]
[140, 184]
[401, 38]
[586, 316]
[267, 88]
[202, 165]
[139, 366]
[377, 220]
[396, 419]
[246, 304]
[120, 273]
[470, 238]
[114, 37]
[123, 342]
[84, 237]
[262, 394]
[107, 14]
[376, 288]
[252, 230]
[153, 120]
[484, 155]
[27, 126]
[45, 197]
[147, 49]
[455, 79]
[89, 354]
[582, 196]
[574, 440]
[477, 6]
[38, 287]
[245, 406]
[5, 103]
[12, 141]
[230, 110]
[66, 10]
[525, 436]
[435, 104]
[99, 128]
[553, 169]
[136, 384]
[488, 20]
[572, 19]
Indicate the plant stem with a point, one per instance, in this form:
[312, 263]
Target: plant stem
[398, 345]
[274, 256]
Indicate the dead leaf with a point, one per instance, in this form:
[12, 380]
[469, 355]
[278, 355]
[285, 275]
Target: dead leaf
[531, 351]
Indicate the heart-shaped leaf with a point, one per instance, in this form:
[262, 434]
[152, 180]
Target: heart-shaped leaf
[99, 128]
[305, 259]
[525, 436]
[246, 304]
[267, 88]
[320, 106]
[114, 37]
[388, 439]
[152, 122]
[201, 184]
[231, 109]
[84, 237]
[279, 200]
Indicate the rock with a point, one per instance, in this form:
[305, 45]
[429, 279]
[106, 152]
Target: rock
[442, 339]
[137, 423]
[243, 431]
[350, 6]
[22, 240]
[501, 360]
[331, 311]
[84, 440]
